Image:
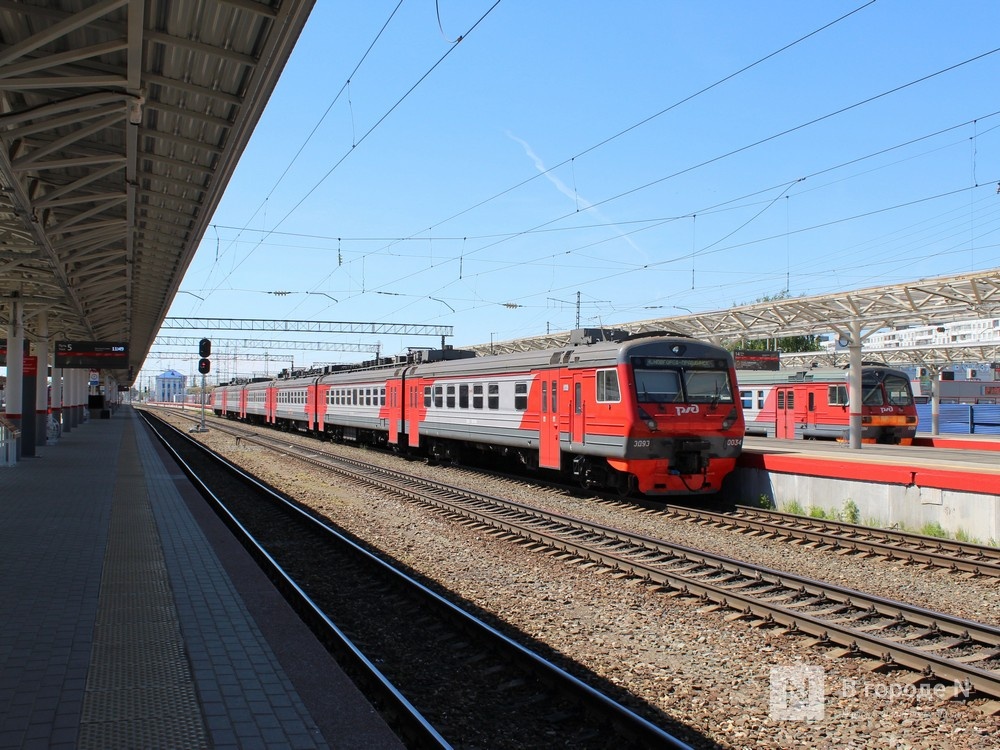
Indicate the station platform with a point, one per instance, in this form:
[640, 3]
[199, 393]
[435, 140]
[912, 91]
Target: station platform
[132, 618]
[946, 488]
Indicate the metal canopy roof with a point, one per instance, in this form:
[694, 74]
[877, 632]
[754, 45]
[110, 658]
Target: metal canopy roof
[924, 302]
[121, 123]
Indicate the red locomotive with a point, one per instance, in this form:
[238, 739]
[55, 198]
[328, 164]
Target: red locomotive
[813, 404]
[653, 412]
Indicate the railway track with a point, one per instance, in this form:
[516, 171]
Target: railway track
[842, 538]
[443, 676]
[936, 647]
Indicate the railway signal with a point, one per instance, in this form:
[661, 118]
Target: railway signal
[204, 367]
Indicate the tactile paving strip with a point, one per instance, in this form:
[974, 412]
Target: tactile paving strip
[140, 691]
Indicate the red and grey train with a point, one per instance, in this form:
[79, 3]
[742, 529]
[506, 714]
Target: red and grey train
[813, 404]
[655, 413]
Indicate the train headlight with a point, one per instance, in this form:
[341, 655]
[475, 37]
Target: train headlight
[730, 419]
[648, 420]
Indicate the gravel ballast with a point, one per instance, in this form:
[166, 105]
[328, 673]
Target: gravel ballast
[702, 668]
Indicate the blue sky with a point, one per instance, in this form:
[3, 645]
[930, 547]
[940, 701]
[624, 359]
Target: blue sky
[653, 156]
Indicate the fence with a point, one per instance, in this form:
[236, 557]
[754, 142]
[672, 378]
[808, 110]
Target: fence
[961, 419]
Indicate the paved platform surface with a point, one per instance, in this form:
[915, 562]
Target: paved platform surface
[132, 619]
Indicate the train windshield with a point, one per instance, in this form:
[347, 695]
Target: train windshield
[663, 381]
[897, 390]
[892, 389]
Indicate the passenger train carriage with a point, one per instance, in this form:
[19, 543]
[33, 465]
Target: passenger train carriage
[654, 413]
[813, 404]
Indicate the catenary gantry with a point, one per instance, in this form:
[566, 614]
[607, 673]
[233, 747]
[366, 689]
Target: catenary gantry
[121, 123]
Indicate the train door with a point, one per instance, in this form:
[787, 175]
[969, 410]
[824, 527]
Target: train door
[577, 408]
[414, 411]
[395, 402]
[270, 405]
[548, 427]
[784, 427]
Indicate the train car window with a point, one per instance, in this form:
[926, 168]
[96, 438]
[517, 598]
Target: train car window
[578, 392]
[760, 399]
[781, 399]
[381, 397]
[493, 395]
[438, 396]
[427, 396]
[477, 397]
[555, 399]
[837, 395]
[545, 397]
[746, 397]
[607, 386]
[450, 401]
[463, 397]
[354, 397]
[520, 396]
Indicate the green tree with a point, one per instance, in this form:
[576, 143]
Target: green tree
[785, 344]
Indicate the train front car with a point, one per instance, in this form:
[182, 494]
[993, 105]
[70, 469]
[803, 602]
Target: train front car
[683, 425]
[888, 412]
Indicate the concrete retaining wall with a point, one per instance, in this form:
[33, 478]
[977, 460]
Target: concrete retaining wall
[908, 506]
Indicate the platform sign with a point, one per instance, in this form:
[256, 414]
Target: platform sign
[86, 355]
[750, 359]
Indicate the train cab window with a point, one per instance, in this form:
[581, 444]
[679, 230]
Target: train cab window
[450, 401]
[555, 399]
[427, 396]
[872, 395]
[898, 390]
[463, 397]
[439, 396]
[657, 386]
[578, 393]
[520, 396]
[607, 387]
[493, 395]
[837, 395]
[545, 397]
[477, 397]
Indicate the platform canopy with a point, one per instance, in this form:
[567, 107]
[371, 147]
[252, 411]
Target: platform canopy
[924, 302]
[121, 123]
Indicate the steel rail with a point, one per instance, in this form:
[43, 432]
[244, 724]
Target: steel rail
[645, 554]
[625, 720]
[968, 550]
[834, 534]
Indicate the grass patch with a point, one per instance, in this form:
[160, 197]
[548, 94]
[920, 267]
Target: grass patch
[934, 529]
[793, 506]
